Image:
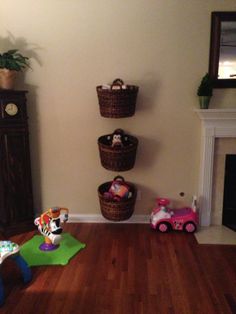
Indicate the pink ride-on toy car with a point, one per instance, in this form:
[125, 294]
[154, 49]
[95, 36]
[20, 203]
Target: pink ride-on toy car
[165, 219]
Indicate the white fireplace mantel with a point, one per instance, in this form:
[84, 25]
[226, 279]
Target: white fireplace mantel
[216, 123]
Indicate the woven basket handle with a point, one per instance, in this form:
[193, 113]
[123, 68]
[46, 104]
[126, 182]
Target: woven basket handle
[120, 178]
[117, 82]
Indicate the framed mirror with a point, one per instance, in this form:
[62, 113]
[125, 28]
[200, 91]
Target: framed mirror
[222, 59]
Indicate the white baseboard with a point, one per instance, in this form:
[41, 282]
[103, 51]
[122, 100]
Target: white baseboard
[135, 219]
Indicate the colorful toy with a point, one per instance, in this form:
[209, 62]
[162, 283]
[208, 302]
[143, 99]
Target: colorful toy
[119, 190]
[49, 225]
[165, 219]
[118, 138]
[11, 249]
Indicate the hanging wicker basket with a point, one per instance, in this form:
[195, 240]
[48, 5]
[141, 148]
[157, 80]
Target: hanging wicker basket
[117, 101]
[117, 158]
[116, 210]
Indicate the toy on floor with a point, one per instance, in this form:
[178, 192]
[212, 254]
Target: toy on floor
[118, 190]
[165, 219]
[11, 249]
[50, 226]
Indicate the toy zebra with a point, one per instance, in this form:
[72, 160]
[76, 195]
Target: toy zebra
[49, 225]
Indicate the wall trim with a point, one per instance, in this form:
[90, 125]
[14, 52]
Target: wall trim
[96, 218]
[215, 123]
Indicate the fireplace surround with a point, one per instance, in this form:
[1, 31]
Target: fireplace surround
[215, 123]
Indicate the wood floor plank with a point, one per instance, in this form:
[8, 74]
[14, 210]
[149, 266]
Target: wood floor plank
[127, 269]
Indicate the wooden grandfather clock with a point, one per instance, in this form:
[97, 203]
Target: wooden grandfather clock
[16, 198]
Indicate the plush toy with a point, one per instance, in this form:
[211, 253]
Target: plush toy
[118, 138]
[49, 225]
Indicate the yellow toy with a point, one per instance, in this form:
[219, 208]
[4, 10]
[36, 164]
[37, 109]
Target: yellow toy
[49, 225]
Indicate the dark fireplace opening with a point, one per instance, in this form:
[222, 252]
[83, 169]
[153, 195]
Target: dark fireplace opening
[229, 203]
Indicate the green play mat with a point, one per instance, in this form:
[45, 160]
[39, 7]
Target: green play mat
[69, 246]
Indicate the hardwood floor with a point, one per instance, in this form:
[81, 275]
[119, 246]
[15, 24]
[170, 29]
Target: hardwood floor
[127, 269]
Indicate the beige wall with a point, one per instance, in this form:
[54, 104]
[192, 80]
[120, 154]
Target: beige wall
[162, 46]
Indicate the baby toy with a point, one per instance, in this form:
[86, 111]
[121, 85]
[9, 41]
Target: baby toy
[11, 249]
[165, 219]
[49, 225]
[118, 138]
[119, 190]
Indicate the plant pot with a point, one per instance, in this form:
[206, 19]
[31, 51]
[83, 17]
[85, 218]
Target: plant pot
[204, 101]
[7, 78]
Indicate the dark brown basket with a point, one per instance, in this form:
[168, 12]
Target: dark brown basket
[118, 158]
[116, 210]
[117, 103]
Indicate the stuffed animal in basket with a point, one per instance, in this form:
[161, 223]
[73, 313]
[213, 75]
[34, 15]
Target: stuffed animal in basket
[118, 138]
[118, 190]
[50, 226]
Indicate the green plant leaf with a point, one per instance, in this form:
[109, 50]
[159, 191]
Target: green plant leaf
[12, 51]
[206, 86]
[13, 60]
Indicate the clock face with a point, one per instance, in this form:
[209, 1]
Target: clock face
[11, 109]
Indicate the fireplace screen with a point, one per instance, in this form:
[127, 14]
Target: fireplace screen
[229, 203]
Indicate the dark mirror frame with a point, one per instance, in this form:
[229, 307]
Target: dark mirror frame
[216, 19]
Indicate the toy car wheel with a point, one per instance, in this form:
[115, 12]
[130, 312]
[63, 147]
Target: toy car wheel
[163, 227]
[190, 227]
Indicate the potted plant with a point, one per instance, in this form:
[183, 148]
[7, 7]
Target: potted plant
[205, 91]
[11, 62]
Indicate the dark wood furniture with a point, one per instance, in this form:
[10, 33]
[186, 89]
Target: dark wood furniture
[16, 199]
